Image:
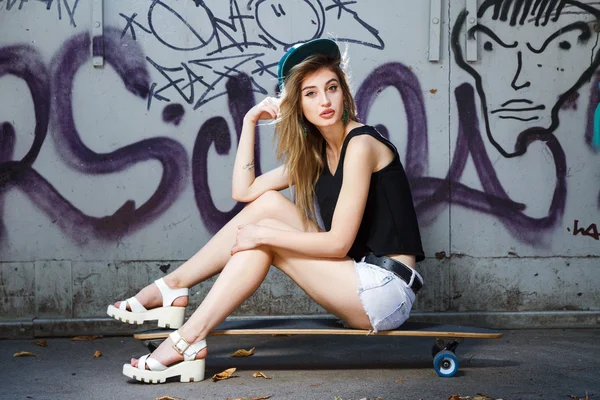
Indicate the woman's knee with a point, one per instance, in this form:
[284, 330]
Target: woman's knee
[273, 197]
[270, 203]
[275, 224]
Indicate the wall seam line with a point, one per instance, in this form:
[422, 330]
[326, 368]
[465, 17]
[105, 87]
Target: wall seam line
[448, 44]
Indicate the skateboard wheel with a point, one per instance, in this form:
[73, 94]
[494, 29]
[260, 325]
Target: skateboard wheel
[445, 364]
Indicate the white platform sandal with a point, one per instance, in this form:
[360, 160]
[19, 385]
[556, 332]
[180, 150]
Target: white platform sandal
[167, 315]
[188, 370]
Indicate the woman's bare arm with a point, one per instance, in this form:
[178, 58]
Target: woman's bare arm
[245, 186]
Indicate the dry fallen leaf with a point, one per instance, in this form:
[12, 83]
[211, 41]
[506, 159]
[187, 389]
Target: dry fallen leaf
[78, 338]
[480, 396]
[579, 398]
[433, 91]
[25, 354]
[243, 353]
[260, 375]
[41, 343]
[250, 398]
[97, 354]
[168, 398]
[223, 375]
[400, 380]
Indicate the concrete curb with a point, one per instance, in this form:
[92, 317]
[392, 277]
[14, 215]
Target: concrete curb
[63, 327]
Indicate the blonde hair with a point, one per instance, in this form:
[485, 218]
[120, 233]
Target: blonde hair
[300, 144]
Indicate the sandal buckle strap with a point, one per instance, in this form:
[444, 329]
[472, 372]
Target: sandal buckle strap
[184, 348]
[181, 345]
[190, 353]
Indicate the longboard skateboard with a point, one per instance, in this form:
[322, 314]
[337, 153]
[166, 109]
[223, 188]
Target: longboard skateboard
[448, 337]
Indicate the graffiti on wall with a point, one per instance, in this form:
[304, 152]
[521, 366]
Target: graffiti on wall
[56, 83]
[63, 8]
[245, 37]
[51, 88]
[522, 112]
[233, 57]
[513, 114]
[517, 116]
[590, 231]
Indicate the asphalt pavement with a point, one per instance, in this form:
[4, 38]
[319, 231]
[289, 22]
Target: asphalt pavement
[523, 364]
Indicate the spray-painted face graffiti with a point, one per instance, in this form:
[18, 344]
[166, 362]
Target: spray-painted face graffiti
[276, 17]
[531, 64]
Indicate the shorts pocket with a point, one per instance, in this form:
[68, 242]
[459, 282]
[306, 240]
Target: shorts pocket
[377, 279]
[394, 319]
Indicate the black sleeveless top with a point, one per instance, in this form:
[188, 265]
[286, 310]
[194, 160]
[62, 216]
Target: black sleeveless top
[389, 224]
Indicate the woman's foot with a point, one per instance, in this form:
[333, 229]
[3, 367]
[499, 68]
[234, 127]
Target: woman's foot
[166, 355]
[150, 297]
[156, 301]
[176, 356]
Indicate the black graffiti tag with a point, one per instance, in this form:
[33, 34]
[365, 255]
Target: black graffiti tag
[187, 78]
[590, 231]
[70, 7]
[267, 27]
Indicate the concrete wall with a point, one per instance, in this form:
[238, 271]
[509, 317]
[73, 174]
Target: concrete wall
[113, 175]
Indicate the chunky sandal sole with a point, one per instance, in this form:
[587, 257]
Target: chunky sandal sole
[168, 317]
[188, 371]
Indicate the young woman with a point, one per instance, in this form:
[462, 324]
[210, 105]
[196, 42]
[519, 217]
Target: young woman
[360, 267]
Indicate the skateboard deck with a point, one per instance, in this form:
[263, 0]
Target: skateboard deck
[448, 337]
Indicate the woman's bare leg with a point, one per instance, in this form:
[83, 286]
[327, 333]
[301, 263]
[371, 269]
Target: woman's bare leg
[211, 258]
[331, 283]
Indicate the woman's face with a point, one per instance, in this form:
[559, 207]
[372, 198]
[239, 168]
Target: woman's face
[322, 99]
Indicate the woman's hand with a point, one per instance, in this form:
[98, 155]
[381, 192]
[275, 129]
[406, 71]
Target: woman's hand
[266, 109]
[248, 238]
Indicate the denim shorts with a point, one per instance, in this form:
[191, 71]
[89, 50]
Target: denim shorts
[386, 298]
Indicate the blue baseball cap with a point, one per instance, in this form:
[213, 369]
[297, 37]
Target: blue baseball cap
[299, 52]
